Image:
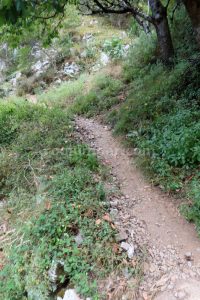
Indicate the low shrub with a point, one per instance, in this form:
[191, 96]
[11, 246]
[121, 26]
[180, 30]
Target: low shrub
[49, 182]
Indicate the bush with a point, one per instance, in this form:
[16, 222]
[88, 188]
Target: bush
[114, 48]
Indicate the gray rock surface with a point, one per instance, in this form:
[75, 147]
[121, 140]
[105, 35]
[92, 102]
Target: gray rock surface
[71, 295]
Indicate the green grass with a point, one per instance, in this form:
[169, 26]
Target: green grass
[48, 179]
[102, 96]
[160, 116]
[64, 94]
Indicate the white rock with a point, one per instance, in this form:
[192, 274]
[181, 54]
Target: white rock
[129, 248]
[40, 66]
[104, 59]
[55, 271]
[125, 50]
[79, 239]
[15, 78]
[88, 37]
[131, 252]
[2, 65]
[181, 295]
[125, 246]
[71, 295]
[71, 69]
[93, 22]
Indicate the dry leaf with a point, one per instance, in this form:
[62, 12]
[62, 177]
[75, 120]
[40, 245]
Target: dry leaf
[107, 218]
[134, 263]
[113, 226]
[89, 213]
[115, 248]
[47, 205]
[145, 296]
[98, 222]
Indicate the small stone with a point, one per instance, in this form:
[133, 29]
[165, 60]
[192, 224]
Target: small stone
[131, 252]
[114, 212]
[104, 59]
[121, 236]
[71, 69]
[57, 269]
[126, 273]
[125, 246]
[129, 248]
[181, 295]
[188, 256]
[79, 239]
[71, 295]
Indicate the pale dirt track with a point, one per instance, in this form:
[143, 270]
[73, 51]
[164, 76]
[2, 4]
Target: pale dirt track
[152, 219]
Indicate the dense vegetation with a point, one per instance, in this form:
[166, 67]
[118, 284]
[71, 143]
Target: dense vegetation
[53, 184]
[160, 115]
[54, 191]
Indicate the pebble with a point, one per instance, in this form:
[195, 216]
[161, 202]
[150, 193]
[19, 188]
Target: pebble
[78, 239]
[188, 256]
[181, 295]
[121, 236]
[125, 246]
[71, 295]
[131, 252]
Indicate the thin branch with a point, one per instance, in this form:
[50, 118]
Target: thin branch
[167, 4]
[174, 10]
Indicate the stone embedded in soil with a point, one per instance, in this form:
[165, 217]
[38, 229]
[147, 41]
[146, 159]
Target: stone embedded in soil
[129, 248]
[188, 256]
[131, 252]
[56, 270]
[121, 236]
[125, 246]
[71, 295]
[79, 239]
[181, 295]
[114, 212]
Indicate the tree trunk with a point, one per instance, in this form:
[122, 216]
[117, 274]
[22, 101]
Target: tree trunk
[160, 21]
[193, 9]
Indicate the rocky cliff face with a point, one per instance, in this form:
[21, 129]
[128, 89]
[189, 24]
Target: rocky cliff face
[31, 68]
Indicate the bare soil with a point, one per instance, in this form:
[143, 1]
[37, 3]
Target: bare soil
[152, 220]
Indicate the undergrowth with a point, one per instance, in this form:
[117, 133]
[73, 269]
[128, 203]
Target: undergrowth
[160, 116]
[48, 180]
[101, 97]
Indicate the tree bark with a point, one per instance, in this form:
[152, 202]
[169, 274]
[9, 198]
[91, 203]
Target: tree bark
[160, 21]
[193, 9]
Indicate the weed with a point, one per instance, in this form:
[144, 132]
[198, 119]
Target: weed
[47, 178]
[114, 48]
[101, 97]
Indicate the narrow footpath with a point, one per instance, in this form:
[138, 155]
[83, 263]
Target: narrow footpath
[152, 220]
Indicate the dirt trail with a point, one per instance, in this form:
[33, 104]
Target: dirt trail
[152, 220]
